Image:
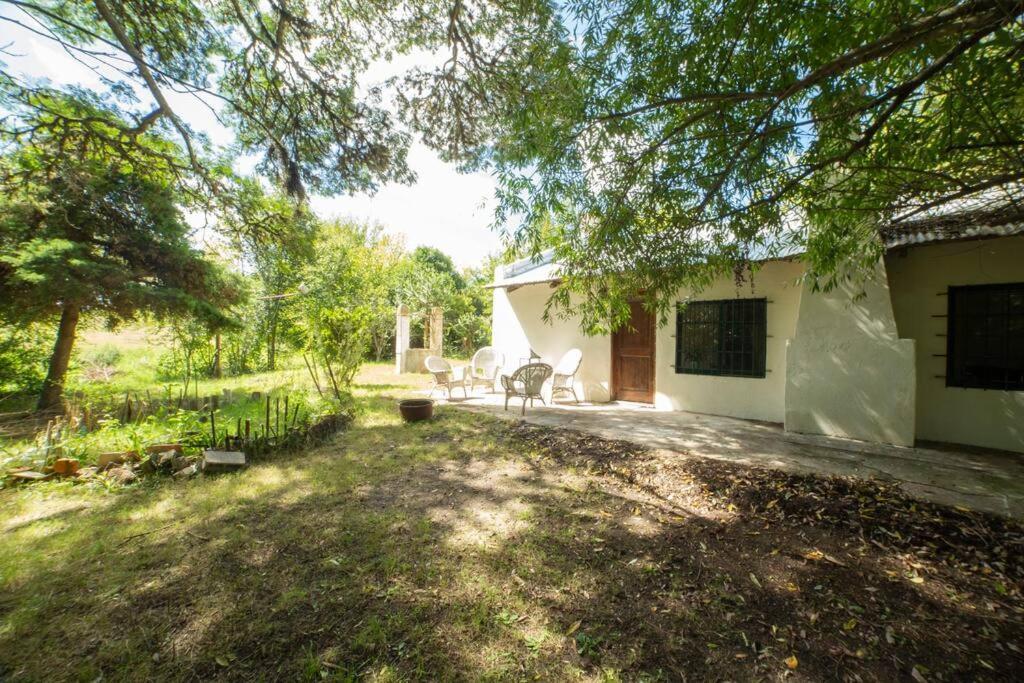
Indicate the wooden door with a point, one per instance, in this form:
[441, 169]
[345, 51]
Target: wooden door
[633, 357]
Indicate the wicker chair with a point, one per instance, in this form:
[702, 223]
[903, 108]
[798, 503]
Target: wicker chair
[484, 368]
[446, 376]
[563, 380]
[526, 383]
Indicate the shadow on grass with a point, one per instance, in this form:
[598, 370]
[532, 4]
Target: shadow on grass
[462, 549]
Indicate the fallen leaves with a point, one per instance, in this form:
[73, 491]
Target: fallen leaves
[838, 554]
[818, 556]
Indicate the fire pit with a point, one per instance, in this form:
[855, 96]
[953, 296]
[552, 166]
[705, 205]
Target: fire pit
[416, 409]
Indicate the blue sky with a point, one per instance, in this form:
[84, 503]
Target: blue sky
[444, 208]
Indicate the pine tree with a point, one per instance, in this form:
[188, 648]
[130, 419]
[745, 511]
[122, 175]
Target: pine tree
[91, 235]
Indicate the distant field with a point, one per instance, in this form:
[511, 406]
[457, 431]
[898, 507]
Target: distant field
[124, 338]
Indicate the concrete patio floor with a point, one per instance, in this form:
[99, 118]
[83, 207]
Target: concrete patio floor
[977, 479]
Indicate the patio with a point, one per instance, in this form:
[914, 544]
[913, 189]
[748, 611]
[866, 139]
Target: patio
[989, 481]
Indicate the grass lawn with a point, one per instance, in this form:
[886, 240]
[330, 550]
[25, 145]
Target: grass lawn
[473, 548]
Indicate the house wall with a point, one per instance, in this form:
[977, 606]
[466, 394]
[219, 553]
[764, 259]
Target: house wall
[746, 397]
[917, 277]
[518, 326]
[848, 371]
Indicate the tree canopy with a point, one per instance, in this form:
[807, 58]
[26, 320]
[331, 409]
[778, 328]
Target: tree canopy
[671, 142]
[652, 144]
[85, 236]
[282, 76]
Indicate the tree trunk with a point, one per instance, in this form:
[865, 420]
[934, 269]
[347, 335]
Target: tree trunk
[272, 342]
[53, 386]
[216, 356]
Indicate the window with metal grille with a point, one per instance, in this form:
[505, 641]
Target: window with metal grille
[725, 337]
[985, 338]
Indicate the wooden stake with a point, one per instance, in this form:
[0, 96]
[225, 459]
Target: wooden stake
[213, 430]
[312, 373]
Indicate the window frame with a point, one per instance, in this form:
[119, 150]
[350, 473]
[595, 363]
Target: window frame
[956, 375]
[759, 341]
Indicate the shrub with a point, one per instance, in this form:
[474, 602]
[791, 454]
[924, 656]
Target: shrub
[105, 355]
[24, 353]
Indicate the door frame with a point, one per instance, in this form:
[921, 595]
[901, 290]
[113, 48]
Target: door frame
[614, 380]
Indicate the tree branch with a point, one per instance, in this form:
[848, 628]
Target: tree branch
[154, 88]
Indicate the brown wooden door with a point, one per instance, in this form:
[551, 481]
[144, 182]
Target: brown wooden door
[633, 357]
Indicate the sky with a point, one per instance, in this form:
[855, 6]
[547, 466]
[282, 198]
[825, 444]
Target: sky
[445, 209]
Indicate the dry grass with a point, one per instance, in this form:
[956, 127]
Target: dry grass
[471, 549]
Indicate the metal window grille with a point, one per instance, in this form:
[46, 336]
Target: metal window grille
[725, 338]
[985, 337]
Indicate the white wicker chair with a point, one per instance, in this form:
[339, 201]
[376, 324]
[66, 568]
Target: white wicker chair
[563, 381]
[526, 383]
[446, 376]
[484, 368]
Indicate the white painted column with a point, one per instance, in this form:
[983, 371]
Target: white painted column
[401, 337]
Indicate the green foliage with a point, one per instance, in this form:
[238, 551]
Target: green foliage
[282, 76]
[335, 322]
[24, 350]
[190, 355]
[663, 144]
[242, 350]
[107, 354]
[338, 341]
[439, 262]
[98, 234]
[468, 313]
[429, 279]
[102, 236]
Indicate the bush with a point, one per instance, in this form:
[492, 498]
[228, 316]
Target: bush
[24, 354]
[105, 355]
[191, 352]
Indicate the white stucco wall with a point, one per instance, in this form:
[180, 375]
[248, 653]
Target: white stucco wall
[848, 373]
[746, 397]
[518, 326]
[917, 277]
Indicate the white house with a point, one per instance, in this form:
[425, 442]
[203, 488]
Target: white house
[933, 352]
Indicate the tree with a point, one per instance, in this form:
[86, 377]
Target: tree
[431, 279]
[470, 327]
[673, 142]
[379, 260]
[335, 319]
[281, 74]
[84, 236]
[440, 262]
[274, 237]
